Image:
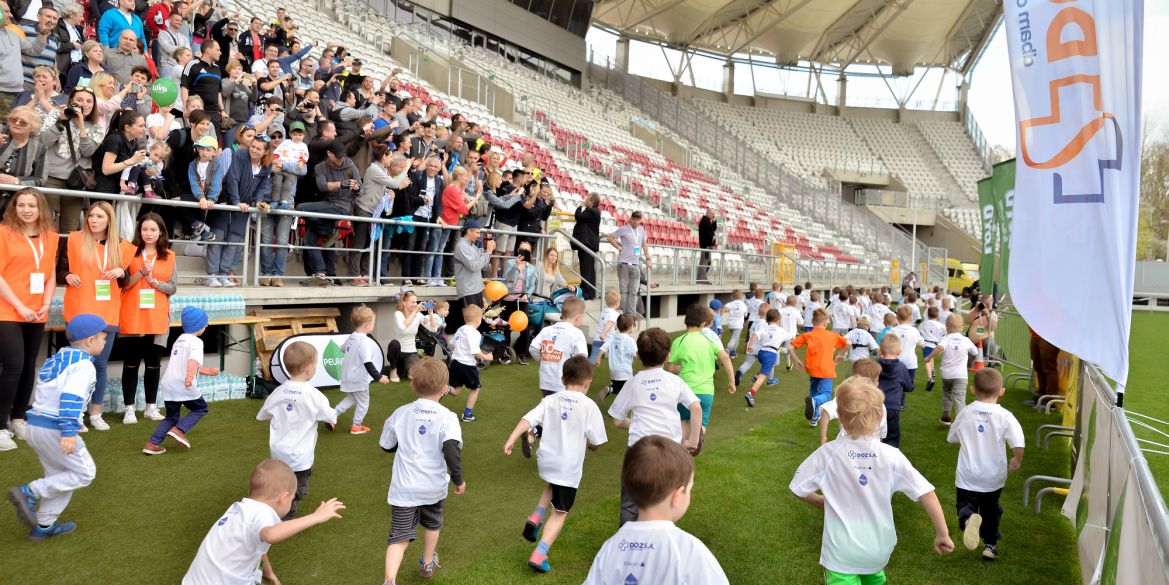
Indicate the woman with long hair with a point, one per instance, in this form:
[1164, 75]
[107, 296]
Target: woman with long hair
[69, 145]
[109, 97]
[97, 259]
[123, 147]
[402, 353]
[145, 316]
[549, 273]
[22, 157]
[248, 182]
[28, 252]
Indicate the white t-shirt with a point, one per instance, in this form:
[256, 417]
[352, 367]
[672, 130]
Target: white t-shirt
[608, 315]
[756, 331]
[790, 320]
[155, 120]
[359, 349]
[914, 312]
[418, 430]
[405, 332]
[753, 305]
[465, 345]
[860, 343]
[841, 315]
[876, 313]
[772, 337]
[831, 412]
[294, 410]
[858, 477]
[651, 553]
[736, 312]
[289, 151]
[186, 348]
[982, 428]
[864, 301]
[553, 346]
[955, 347]
[810, 307]
[943, 315]
[571, 422]
[932, 332]
[713, 337]
[650, 400]
[910, 341]
[230, 553]
[620, 348]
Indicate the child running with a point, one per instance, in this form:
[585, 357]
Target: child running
[981, 430]
[650, 404]
[820, 363]
[428, 441]
[234, 548]
[571, 423]
[932, 331]
[792, 321]
[180, 385]
[660, 477]
[63, 386]
[894, 383]
[607, 323]
[558, 342]
[736, 312]
[861, 342]
[357, 371]
[910, 340]
[856, 477]
[954, 348]
[464, 370]
[752, 344]
[693, 357]
[771, 341]
[620, 348]
[293, 411]
[868, 369]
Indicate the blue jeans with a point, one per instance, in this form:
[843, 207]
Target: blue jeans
[316, 261]
[595, 350]
[228, 227]
[197, 410]
[383, 244]
[821, 391]
[412, 267]
[434, 246]
[101, 363]
[275, 230]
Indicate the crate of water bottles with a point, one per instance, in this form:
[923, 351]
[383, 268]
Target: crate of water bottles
[213, 389]
[218, 307]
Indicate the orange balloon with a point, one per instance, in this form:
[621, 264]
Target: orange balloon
[518, 321]
[495, 290]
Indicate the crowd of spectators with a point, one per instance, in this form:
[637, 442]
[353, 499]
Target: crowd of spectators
[262, 120]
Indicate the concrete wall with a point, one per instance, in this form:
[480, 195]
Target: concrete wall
[518, 26]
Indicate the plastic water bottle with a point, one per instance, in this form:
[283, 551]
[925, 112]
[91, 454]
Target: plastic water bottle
[258, 367]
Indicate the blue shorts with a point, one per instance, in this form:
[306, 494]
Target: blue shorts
[808, 328]
[926, 351]
[707, 402]
[767, 359]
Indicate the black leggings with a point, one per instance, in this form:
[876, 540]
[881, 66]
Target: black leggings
[137, 350]
[18, 367]
[402, 362]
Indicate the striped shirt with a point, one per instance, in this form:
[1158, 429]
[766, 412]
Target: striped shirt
[64, 384]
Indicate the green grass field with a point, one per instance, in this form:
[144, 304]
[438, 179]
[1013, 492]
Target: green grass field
[1144, 393]
[143, 518]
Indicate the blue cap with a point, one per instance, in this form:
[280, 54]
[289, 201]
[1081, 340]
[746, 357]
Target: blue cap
[471, 224]
[84, 325]
[716, 304]
[194, 319]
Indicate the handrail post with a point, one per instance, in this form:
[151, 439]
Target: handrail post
[243, 272]
[259, 248]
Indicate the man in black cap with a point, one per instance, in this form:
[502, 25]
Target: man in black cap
[338, 181]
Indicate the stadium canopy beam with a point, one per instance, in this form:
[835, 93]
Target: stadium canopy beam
[979, 49]
[889, 13]
[822, 41]
[655, 12]
[737, 46]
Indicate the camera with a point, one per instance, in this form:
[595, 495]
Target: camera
[72, 112]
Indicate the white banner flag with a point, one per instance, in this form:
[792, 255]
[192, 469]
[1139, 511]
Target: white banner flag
[1076, 68]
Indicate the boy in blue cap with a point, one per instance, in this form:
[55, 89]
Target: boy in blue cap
[179, 385]
[64, 385]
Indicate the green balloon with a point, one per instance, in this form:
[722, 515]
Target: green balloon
[164, 92]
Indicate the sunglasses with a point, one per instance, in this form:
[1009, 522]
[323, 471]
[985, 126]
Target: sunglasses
[263, 138]
[17, 122]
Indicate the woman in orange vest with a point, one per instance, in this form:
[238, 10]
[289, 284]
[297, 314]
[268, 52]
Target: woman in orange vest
[145, 323]
[98, 260]
[28, 255]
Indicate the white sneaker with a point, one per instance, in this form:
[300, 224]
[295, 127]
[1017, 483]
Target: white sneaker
[19, 428]
[152, 413]
[129, 418]
[227, 282]
[97, 423]
[83, 428]
[6, 442]
[213, 282]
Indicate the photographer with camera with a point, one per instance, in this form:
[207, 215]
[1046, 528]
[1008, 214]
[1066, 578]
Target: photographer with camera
[338, 180]
[69, 144]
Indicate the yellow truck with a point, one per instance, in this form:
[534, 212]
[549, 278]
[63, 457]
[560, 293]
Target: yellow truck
[962, 275]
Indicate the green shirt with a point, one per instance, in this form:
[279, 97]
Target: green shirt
[697, 355]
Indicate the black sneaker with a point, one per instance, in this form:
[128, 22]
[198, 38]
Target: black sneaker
[738, 378]
[468, 418]
[330, 426]
[809, 408]
[523, 360]
[750, 400]
[990, 552]
[929, 385]
[526, 446]
[531, 529]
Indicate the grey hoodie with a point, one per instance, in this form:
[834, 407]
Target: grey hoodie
[11, 69]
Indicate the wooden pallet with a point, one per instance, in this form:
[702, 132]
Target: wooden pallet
[283, 323]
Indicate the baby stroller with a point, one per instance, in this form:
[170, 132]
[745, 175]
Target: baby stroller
[430, 342]
[496, 335]
[542, 310]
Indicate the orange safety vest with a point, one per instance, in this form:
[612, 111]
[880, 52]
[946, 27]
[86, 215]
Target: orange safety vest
[18, 261]
[83, 299]
[136, 320]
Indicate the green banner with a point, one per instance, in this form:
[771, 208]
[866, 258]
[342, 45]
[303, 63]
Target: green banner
[1003, 188]
[990, 233]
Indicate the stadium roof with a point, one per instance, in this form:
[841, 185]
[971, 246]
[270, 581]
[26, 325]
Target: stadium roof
[836, 33]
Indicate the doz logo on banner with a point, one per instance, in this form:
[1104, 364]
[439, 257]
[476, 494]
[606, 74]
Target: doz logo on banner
[1076, 69]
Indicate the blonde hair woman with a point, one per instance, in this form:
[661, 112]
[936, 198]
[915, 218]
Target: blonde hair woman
[97, 259]
[109, 97]
[402, 353]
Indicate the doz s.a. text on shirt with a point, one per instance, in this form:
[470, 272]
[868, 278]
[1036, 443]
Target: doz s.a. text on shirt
[654, 553]
[186, 348]
[231, 551]
[571, 422]
[418, 430]
[294, 410]
[651, 401]
[982, 429]
[359, 348]
[857, 478]
[553, 346]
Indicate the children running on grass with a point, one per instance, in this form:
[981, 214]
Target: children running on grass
[465, 351]
[233, 550]
[571, 423]
[607, 323]
[180, 386]
[981, 430]
[856, 477]
[693, 357]
[868, 369]
[650, 405]
[620, 348]
[820, 359]
[932, 331]
[955, 348]
[659, 477]
[558, 342]
[736, 313]
[358, 369]
[63, 386]
[894, 383]
[293, 411]
[757, 327]
[771, 341]
[428, 443]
